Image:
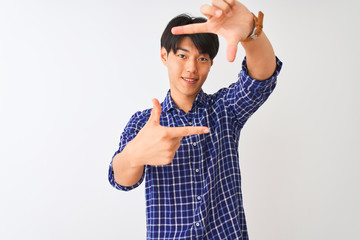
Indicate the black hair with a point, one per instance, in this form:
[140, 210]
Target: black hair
[204, 42]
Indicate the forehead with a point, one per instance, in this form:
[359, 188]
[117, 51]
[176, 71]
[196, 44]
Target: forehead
[187, 45]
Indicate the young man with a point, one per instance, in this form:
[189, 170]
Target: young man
[187, 147]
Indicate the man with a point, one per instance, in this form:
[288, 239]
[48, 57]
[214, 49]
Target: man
[187, 146]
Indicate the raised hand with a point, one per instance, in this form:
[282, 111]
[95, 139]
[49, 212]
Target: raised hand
[227, 18]
[155, 144]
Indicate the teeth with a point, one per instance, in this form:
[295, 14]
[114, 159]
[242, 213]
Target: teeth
[189, 80]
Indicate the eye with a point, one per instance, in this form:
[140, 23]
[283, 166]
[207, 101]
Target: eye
[181, 56]
[202, 59]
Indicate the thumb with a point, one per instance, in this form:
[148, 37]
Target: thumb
[231, 50]
[155, 112]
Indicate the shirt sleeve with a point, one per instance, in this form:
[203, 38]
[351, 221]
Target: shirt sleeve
[131, 130]
[246, 95]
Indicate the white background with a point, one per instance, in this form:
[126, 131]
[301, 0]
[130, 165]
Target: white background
[73, 72]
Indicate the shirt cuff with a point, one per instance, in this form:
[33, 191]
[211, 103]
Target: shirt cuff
[253, 83]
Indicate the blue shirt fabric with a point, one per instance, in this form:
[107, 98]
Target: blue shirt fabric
[198, 195]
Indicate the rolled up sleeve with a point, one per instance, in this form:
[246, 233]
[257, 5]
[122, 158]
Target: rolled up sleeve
[131, 130]
[246, 95]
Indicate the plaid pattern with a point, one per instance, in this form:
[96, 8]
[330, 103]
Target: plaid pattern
[198, 195]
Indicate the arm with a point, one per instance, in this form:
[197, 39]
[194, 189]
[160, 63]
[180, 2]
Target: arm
[232, 20]
[126, 173]
[260, 57]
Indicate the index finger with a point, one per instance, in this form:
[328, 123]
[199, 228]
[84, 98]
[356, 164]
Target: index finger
[190, 29]
[187, 131]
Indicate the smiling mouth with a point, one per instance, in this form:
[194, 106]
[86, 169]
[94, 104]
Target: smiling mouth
[189, 80]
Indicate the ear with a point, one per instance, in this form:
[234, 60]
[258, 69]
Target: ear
[212, 62]
[163, 56]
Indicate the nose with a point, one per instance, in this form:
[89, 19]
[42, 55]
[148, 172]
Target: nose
[191, 65]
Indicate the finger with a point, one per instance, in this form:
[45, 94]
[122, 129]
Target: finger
[222, 5]
[209, 11]
[155, 112]
[190, 29]
[231, 3]
[231, 51]
[187, 131]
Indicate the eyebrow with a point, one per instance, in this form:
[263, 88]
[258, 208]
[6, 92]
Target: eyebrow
[185, 50]
[182, 49]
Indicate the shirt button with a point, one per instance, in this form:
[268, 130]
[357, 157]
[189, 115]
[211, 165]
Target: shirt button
[198, 198]
[194, 144]
[197, 170]
[197, 224]
[190, 123]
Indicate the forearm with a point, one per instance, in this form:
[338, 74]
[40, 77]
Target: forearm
[126, 173]
[260, 57]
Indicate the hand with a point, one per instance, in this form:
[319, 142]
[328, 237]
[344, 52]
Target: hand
[227, 18]
[155, 144]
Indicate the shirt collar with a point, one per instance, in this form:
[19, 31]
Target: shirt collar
[169, 104]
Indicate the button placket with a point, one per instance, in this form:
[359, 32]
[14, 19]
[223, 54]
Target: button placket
[194, 142]
[197, 176]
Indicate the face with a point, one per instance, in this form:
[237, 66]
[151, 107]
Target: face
[187, 68]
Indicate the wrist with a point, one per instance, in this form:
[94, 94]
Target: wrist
[132, 155]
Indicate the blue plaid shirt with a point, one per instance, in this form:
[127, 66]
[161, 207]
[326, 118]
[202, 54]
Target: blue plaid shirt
[198, 195]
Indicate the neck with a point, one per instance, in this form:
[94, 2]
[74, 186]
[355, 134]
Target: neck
[183, 103]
